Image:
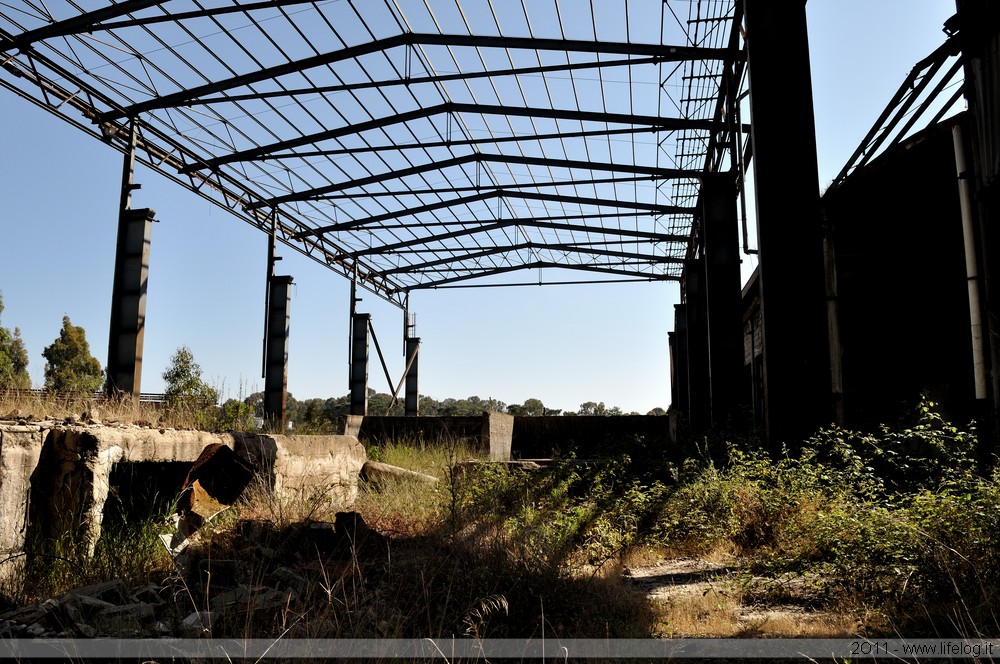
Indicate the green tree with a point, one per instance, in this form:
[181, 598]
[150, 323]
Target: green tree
[183, 378]
[531, 407]
[69, 366]
[13, 359]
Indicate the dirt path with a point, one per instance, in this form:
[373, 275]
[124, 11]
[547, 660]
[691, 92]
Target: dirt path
[697, 597]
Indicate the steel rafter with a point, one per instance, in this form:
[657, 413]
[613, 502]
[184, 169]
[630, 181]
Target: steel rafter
[266, 151]
[478, 157]
[510, 223]
[527, 246]
[499, 193]
[542, 265]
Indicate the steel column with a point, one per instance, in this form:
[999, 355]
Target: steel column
[359, 363]
[276, 369]
[720, 244]
[677, 340]
[412, 395]
[792, 281]
[128, 297]
[699, 370]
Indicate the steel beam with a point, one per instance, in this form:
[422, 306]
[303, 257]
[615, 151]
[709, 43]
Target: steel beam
[493, 187]
[359, 363]
[266, 151]
[789, 230]
[276, 375]
[131, 275]
[539, 264]
[82, 23]
[661, 173]
[569, 248]
[678, 342]
[507, 223]
[437, 78]
[720, 243]
[498, 193]
[699, 389]
[412, 392]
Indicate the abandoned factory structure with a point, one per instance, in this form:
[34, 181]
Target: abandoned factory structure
[465, 143]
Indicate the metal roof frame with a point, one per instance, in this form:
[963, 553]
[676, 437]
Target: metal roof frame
[568, 135]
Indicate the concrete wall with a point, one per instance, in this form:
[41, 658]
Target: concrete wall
[504, 436]
[489, 433]
[586, 436]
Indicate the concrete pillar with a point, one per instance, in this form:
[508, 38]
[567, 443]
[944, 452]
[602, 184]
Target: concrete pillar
[789, 230]
[128, 302]
[359, 364]
[412, 392]
[720, 245]
[497, 435]
[276, 368]
[699, 371]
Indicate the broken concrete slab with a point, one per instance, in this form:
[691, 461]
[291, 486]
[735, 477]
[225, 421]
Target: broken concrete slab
[379, 474]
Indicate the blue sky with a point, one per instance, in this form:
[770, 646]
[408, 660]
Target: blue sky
[561, 344]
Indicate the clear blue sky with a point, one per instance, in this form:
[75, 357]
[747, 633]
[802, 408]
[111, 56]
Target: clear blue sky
[562, 344]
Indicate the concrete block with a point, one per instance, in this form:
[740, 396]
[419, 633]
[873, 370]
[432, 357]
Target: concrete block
[352, 425]
[307, 465]
[498, 434]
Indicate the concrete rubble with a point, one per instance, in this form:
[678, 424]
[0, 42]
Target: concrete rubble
[207, 597]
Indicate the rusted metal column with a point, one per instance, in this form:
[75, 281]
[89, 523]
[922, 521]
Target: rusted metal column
[789, 230]
[412, 397]
[276, 369]
[128, 297]
[359, 363]
[720, 242]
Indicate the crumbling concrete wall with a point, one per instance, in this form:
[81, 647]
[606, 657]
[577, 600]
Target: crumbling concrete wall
[307, 466]
[55, 480]
[71, 481]
[20, 447]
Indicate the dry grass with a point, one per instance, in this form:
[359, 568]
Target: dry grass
[39, 407]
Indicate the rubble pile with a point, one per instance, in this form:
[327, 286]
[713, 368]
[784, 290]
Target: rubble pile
[254, 578]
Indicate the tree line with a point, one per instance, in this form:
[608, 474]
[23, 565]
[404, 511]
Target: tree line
[70, 367]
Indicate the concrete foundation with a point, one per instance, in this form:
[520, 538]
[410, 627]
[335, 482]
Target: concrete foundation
[56, 480]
